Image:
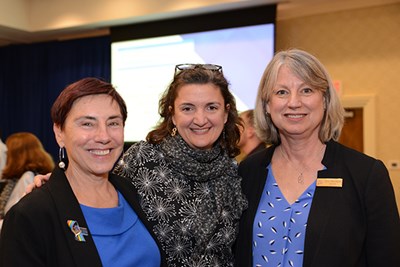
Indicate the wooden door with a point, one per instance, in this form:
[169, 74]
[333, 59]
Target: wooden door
[352, 133]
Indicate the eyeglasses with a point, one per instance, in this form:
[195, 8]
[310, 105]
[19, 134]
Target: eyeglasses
[212, 67]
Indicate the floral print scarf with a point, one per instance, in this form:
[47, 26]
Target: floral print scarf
[193, 199]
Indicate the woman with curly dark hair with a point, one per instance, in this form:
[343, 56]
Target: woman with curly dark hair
[185, 172]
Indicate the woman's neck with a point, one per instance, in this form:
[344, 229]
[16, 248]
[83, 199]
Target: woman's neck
[91, 190]
[301, 148]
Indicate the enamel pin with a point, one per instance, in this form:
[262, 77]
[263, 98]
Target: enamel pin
[79, 232]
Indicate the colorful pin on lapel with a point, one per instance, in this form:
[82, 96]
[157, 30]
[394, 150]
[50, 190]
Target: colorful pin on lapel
[79, 232]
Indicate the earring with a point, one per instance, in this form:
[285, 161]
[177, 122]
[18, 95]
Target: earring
[173, 133]
[121, 162]
[61, 157]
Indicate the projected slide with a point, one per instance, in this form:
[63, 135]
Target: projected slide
[142, 69]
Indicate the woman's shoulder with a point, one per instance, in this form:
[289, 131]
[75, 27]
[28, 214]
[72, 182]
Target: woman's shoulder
[349, 154]
[27, 177]
[357, 163]
[262, 156]
[34, 203]
[135, 157]
[138, 148]
[19, 189]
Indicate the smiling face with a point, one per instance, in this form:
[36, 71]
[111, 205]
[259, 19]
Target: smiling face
[200, 114]
[93, 135]
[296, 108]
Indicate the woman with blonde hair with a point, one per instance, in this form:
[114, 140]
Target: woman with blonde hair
[312, 201]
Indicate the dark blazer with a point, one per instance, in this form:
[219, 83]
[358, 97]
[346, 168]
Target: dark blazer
[354, 225]
[260, 147]
[35, 230]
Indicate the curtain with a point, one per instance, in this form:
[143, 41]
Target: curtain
[32, 76]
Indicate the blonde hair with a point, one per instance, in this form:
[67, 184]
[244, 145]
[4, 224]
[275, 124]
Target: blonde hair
[309, 69]
[25, 152]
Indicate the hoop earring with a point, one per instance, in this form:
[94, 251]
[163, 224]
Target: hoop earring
[61, 157]
[174, 130]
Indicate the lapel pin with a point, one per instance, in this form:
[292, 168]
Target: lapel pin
[79, 232]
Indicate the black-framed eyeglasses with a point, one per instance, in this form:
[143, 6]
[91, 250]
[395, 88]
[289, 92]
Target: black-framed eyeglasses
[188, 66]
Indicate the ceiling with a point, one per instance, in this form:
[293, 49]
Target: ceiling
[28, 21]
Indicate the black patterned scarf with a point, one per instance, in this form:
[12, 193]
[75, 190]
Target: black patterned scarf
[192, 197]
[195, 164]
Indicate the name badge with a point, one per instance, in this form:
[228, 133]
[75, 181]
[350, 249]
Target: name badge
[329, 182]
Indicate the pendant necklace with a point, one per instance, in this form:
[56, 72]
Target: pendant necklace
[300, 178]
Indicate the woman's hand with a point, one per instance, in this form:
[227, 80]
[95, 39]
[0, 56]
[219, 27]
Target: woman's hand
[38, 181]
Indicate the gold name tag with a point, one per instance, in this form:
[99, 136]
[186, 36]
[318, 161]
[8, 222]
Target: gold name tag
[329, 182]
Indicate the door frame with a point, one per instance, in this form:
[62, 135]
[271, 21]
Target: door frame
[367, 103]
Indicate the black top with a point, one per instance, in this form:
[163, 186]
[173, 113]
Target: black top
[258, 148]
[35, 230]
[354, 225]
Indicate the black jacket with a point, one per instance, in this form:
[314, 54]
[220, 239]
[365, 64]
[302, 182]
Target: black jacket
[35, 230]
[354, 225]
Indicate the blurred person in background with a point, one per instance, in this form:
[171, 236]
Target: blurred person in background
[249, 142]
[3, 155]
[26, 157]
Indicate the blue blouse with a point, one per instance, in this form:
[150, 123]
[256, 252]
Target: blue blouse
[279, 228]
[120, 237]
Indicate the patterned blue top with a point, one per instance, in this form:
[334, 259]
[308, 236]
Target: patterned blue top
[120, 237]
[279, 228]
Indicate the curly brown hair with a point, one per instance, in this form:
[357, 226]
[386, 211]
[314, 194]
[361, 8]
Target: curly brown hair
[198, 75]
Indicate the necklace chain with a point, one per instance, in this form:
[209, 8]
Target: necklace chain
[300, 177]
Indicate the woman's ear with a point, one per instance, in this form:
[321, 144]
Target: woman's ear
[58, 133]
[172, 115]
[227, 108]
[267, 110]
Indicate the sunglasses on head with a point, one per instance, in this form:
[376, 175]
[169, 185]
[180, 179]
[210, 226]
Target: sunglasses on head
[213, 67]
